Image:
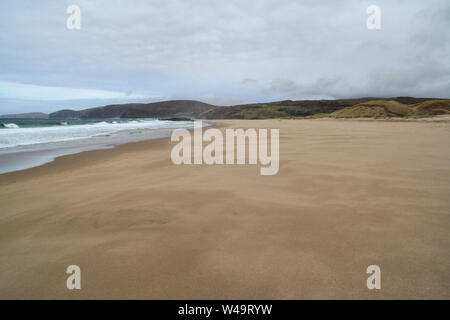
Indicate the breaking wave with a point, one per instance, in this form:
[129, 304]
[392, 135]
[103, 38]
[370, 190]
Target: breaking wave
[10, 125]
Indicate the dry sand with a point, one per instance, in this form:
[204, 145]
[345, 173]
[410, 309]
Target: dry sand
[349, 194]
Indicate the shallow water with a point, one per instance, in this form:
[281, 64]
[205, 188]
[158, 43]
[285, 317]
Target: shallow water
[28, 146]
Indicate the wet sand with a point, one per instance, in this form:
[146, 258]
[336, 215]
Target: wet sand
[348, 194]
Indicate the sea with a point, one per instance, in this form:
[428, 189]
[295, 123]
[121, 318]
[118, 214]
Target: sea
[25, 143]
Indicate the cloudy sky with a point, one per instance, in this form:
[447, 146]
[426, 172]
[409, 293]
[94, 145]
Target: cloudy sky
[222, 51]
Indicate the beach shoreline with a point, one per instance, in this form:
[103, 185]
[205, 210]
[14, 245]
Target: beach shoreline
[24, 157]
[348, 194]
[90, 157]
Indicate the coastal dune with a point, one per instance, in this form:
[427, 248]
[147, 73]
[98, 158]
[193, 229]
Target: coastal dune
[348, 194]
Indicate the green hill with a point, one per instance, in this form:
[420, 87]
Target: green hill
[279, 109]
[432, 107]
[388, 109]
[344, 108]
[174, 108]
[374, 109]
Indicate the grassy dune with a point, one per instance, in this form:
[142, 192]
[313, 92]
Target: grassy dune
[432, 107]
[388, 109]
[279, 109]
[345, 108]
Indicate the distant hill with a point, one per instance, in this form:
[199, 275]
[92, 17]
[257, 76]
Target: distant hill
[29, 115]
[370, 107]
[342, 108]
[65, 114]
[174, 108]
[286, 108]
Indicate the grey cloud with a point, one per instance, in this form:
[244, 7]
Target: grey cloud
[173, 48]
[320, 87]
[428, 80]
[249, 81]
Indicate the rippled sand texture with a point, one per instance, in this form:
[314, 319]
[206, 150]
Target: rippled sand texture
[349, 194]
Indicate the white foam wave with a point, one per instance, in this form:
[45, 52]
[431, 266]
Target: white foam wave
[11, 125]
[37, 135]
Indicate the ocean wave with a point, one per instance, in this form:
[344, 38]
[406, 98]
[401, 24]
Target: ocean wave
[57, 132]
[10, 125]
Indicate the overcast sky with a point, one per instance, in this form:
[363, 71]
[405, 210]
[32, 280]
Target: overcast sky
[221, 52]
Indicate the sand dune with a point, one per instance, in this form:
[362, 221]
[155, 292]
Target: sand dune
[348, 194]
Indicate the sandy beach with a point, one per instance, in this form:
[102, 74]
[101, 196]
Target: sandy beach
[348, 194]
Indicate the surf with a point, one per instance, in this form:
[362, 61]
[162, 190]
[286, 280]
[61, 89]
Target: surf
[30, 133]
[10, 125]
